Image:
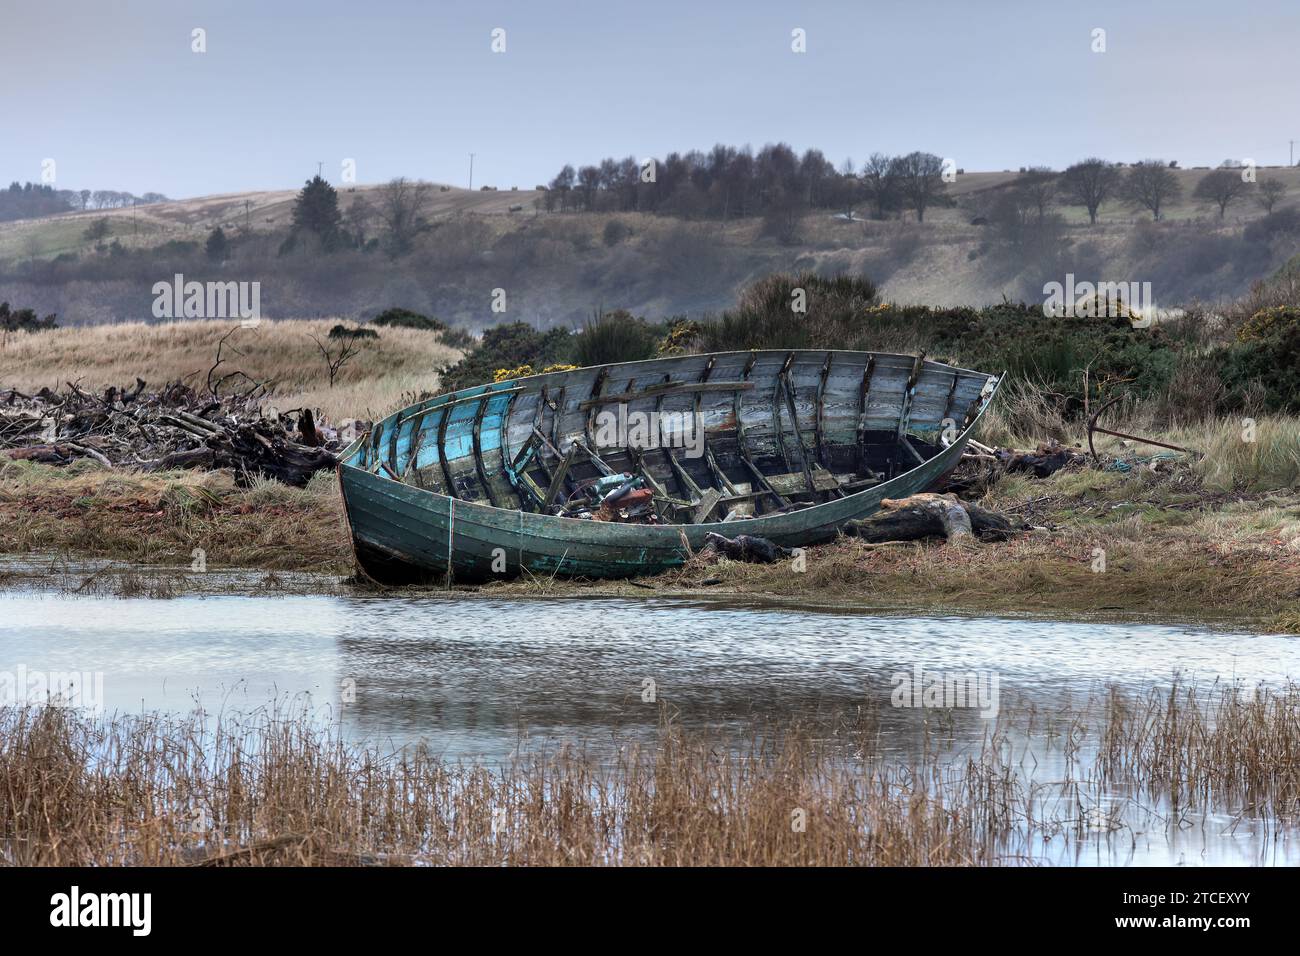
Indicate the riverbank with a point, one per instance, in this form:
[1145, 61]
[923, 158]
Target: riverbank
[283, 789]
[1160, 543]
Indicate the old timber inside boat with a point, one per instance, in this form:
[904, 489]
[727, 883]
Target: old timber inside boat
[617, 470]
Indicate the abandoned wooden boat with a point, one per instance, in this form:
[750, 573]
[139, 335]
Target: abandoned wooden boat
[616, 470]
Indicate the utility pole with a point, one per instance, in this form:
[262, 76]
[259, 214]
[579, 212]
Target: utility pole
[135, 225]
[1292, 152]
[471, 170]
[320, 166]
[248, 225]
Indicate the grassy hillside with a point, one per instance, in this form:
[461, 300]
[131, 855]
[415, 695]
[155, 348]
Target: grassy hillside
[194, 218]
[400, 362]
[557, 268]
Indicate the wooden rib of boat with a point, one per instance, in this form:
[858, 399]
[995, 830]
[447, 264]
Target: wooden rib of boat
[788, 445]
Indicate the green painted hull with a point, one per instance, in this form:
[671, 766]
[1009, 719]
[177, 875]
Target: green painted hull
[407, 529]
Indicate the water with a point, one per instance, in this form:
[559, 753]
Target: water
[474, 678]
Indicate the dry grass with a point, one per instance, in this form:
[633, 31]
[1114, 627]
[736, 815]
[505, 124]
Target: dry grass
[1259, 453]
[1235, 458]
[278, 789]
[1214, 538]
[160, 519]
[1174, 550]
[400, 362]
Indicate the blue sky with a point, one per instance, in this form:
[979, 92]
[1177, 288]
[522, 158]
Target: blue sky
[112, 92]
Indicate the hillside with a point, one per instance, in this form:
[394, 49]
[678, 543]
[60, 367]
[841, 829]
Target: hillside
[558, 267]
[194, 218]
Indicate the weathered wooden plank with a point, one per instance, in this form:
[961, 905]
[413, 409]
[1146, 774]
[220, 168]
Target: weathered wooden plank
[784, 382]
[476, 442]
[666, 388]
[557, 479]
[589, 423]
[439, 403]
[904, 415]
[708, 501]
[442, 450]
[819, 425]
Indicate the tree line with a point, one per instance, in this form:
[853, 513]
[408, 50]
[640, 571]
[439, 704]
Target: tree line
[774, 183]
[34, 200]
[730, 182]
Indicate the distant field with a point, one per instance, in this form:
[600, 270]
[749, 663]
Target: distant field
[400, 361]
[272, 210]
[193, 219]
[558, 268]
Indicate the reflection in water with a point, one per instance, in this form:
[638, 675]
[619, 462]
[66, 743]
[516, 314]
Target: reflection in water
[473, 678]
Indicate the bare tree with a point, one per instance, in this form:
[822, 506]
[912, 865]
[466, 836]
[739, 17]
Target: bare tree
[1090, 183]
[401, 206]
[880, 182]
[334, 361]
[920, 181]
[1038, 185]
[1270, 194]
[361, 214]
[588, 181]
[1221, 187]
[1151, 184]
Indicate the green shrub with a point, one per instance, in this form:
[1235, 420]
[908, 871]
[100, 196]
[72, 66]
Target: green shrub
[457, 338]
[406, 319]
[508, 346]
[616, 336]
[1262, 368]
[24, 320]
[343, 332]
[615, 232]
[802, 311]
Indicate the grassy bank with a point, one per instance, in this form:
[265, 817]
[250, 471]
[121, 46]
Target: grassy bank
[1212, 534]
[277, 789]
[160, 519]
[1217, 538]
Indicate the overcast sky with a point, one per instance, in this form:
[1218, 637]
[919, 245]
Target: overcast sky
[114, 94]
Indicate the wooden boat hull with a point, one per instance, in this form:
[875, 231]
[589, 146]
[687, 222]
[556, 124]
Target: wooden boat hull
[800, 413]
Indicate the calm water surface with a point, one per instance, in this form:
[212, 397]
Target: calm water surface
[474, 678]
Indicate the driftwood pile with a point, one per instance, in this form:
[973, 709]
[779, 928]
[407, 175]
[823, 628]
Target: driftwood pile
[933, 516]
[914, 518]
[745, 547]
[1041, 462]
[175, 427]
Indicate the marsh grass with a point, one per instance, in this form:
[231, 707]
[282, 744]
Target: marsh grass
[1246, 452]
[277, 787]
[1270, 460]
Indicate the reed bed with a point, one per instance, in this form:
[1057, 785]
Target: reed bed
[279, 788]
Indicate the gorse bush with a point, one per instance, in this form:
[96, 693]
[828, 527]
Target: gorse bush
[1185, 370]
[844, 312]
[1263, 367]
[509, 346]
[341, 331]
[400, 318]
[406, 319]
[801, 311]
[615, 336]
